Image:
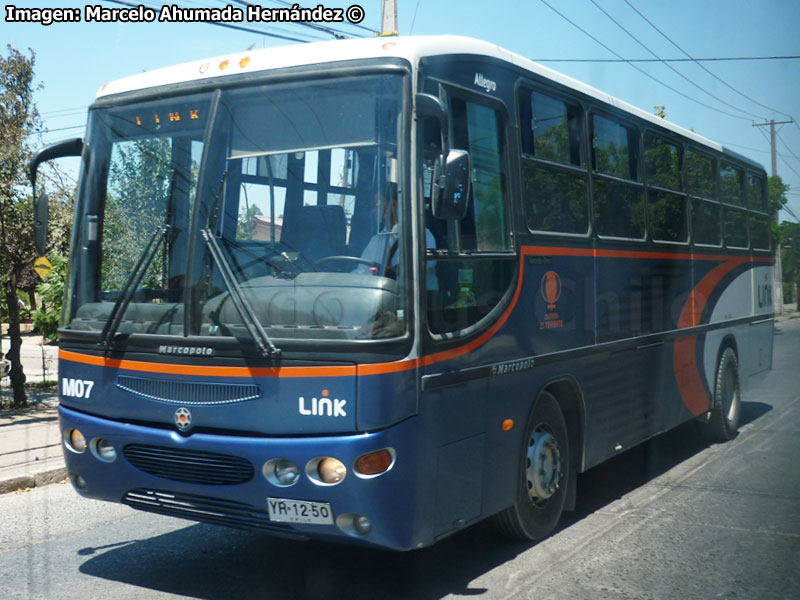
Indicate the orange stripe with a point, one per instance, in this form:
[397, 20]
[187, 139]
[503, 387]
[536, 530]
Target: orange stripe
[597, 253]
[684, 354]
[176, 369]
[395, 366]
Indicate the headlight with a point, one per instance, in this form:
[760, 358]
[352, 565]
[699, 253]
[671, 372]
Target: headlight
[281, 472]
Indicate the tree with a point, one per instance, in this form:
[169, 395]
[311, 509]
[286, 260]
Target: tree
[51, 291]
[18, 120]
[790, 259]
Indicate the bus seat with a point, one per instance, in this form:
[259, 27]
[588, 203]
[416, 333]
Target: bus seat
[316, 231]
[362, 228]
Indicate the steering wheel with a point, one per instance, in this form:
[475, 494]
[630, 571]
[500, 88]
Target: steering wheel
[345, 263]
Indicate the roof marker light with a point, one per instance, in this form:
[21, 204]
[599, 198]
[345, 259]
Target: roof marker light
[224, 64]
[204, 67]
[244, 62]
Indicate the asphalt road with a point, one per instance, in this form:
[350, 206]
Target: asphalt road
[674, 518]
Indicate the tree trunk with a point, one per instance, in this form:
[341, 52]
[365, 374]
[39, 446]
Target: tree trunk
[17, 374]
[31, 291]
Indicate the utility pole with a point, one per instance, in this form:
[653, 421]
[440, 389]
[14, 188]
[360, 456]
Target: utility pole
[389, 17]
[777, 280]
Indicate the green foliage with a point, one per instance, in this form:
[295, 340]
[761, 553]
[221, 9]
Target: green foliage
[246, 227]
[51, 293]
[139, 183]
[777, 199]
[18, 120]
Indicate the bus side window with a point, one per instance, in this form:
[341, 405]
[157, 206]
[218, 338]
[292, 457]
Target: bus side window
[554, 179]
[618, 198]
[731, 194]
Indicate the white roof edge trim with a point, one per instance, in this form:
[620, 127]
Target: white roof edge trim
[410, 48]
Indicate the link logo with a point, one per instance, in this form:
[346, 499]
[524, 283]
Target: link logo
[76, 388]
[322, 407]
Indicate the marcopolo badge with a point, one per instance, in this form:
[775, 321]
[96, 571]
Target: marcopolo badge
[183, 419]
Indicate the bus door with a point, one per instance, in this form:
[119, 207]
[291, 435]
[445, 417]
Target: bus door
[469, 268]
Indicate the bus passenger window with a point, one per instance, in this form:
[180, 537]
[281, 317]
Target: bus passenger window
[555, 196]
[735, 228]
[730, 179]
[666, 207]
[755, 193]
[618, 199]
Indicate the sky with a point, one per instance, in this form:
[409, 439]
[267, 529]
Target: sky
[74, 60]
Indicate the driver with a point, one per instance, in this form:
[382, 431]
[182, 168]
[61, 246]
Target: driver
[383, 248]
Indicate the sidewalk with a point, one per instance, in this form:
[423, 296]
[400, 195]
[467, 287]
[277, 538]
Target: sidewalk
[30, 443]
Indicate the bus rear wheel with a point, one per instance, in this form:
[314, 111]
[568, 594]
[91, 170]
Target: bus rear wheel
[542, 475]
[723, 422]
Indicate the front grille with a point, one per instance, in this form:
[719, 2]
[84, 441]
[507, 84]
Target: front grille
[188, 392]
[191, 466]
[205, 509]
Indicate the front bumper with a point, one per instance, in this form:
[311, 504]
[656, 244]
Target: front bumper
[388, 500]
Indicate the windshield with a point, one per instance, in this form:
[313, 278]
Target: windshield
[292, 189]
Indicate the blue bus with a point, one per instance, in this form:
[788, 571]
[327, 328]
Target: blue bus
[375, 291]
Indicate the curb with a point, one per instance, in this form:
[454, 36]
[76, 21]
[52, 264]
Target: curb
[32, 481]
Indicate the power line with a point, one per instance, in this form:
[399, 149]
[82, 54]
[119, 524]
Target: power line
[335, 33]
[58, 129]
[226, 25]
[665, 36]
[414, 20]
[315, 26]
[643, 72]
[751, 148]
[670, 67]
[666, 60]
[785, 145]
[791, 168]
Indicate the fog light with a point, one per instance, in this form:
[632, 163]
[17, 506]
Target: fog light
[286, 472]
[75, 441]
[362, 525]
[353, 524]
[281, 472]
[103, 450]
[374, 463]
[78, 482]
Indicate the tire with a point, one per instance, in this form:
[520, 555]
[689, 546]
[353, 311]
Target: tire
[540, 498]
[723, 422]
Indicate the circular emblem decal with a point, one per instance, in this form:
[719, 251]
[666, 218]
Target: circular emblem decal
[551, 289]
[183, 418]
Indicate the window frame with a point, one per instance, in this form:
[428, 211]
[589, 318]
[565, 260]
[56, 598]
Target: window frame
[453, 90]
[683, 192]
[696, 197]
[522, 93]
[627, 123]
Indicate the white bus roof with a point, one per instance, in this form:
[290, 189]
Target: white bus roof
[412, 49]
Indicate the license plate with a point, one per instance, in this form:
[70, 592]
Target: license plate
[299, 511]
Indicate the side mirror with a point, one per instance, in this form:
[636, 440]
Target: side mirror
[41, 207]
[41, 213]
[451, 187]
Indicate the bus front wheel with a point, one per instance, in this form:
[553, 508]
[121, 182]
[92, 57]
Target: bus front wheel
[542, 476]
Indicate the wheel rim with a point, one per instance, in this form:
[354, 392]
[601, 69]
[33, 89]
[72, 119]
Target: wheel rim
[730, 395]
[543, 471]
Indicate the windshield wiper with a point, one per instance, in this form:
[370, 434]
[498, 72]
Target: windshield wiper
[257, 332]
[121, 305]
